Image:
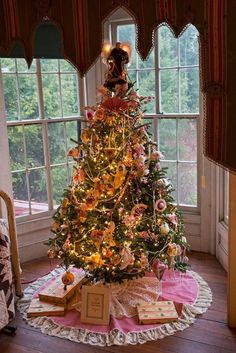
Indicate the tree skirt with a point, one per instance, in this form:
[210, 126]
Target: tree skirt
[189, 289]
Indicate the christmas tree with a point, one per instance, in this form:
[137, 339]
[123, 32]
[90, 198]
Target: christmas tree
[117, 219]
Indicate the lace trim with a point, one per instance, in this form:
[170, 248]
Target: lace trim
[115, 336]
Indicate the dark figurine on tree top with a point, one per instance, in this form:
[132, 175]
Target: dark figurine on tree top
[116, 61]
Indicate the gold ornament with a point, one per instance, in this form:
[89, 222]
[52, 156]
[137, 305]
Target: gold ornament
[67, 278]
[120, 175]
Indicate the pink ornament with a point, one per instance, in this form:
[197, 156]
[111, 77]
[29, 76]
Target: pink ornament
[160, 205]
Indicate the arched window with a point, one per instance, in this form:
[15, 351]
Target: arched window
[171, 76]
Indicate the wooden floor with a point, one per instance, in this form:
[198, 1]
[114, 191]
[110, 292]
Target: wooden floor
[209, 334]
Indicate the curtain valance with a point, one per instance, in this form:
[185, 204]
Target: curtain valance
[80, 24]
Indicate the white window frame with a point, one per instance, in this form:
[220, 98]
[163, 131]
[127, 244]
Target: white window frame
[113, 24]
[44, 122]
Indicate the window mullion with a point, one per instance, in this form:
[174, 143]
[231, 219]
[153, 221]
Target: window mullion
[60, 91]
[17, 91]
[157, 68]
[177, 158]
[27, 171]
[45, 135]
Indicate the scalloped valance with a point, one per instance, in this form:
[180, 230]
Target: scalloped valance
[80, 24]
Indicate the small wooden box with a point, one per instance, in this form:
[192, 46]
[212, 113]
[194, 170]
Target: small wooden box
[95, 305]
[55, 292]
[156, 312]
[39, 308]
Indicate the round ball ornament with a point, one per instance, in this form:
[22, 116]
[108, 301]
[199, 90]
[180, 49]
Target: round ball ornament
[67, 278]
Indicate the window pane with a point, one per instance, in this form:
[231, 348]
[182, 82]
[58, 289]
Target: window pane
[28, 96]
[168, 50]
[23, 67]
[171, 174]
[34, 145]
[69, 94]
[167, 138]
[146, 81]
[149, 63]
[150, 130]
[51, 96]
[49, 65]
[16, 147]
[73, 129]
[169, 91]
[59, 183]
[187, 139]
[38, 190]
[66, 66]
[56, 141]
[8, 65]
[188, 184]
[189, 90]
[126, 34]
[189, 47]
[10, 97]
[132, 77]
[20, 195]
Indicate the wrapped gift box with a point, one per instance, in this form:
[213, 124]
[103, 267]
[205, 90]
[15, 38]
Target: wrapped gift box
[55, 292]
[39, 308]
[159, 312]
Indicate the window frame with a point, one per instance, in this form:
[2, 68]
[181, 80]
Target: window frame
[45, 122]
[113, 24]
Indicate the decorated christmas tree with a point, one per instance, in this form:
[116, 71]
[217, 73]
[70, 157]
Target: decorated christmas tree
[118, 219]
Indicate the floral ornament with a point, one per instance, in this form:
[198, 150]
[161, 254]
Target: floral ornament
[64, 203]
[120, 175]
[106, 252]
[173, 218]
[115, 104]
[99, 187]
[144, 261]
[164, 228]
[74, 152]
[100, 115]
[94, 261]
[129, 221]
[85, 138]
[79, 176]
[156, 155]
[83, 212]
[108, 234]
[55, 226]
[138, 211]
[174, 250]
[97, 237]
[138, 149]
[126, 256]
[160, 205]
[91, 200]
[128, 159]
[110, 153]
[110, 190]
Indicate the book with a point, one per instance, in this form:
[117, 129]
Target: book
[95, 305]
[57, 294]
[159, 312]
[39, 308]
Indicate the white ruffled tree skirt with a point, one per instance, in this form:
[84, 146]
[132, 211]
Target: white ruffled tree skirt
[115, 336]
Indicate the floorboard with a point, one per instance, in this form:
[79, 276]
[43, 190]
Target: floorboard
[209, 333]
